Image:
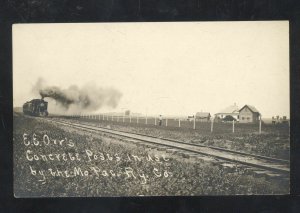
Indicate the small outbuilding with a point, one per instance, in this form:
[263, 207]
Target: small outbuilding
[203, 116]
[249, 114]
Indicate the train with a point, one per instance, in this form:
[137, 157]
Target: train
[36, 107]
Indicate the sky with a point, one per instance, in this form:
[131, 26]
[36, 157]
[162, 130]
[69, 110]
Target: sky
[175, 68]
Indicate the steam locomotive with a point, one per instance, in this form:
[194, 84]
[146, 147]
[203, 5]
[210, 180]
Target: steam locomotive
[36, 107]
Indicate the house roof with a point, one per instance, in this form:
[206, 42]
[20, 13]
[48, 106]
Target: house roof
[202, 114]
[252, 108]
[230, 109]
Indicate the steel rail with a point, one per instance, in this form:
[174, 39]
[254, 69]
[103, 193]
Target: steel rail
[261, 162]
[199, 145]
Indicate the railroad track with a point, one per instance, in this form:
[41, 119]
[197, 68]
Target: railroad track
[262, 164]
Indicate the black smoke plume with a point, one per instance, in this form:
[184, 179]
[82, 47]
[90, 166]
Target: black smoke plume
[87, 98]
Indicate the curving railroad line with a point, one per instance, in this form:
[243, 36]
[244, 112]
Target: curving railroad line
[268, 164]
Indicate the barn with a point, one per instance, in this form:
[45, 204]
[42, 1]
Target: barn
[249, 114]
[203, 116]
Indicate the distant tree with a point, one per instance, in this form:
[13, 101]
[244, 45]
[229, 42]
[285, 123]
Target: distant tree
[229, 118]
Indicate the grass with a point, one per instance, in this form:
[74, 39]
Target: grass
[184, 176]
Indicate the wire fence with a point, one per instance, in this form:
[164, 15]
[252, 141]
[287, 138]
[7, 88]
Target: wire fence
[180, 123]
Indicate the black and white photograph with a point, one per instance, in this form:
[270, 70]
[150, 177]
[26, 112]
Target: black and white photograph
[151, 109]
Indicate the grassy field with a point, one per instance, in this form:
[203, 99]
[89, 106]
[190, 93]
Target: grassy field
[274, 141]
[51, 160]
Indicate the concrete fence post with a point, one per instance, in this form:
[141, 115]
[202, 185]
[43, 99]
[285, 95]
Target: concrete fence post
[260, 125]
[212, 125]
[179, 122]
[232, 126]
[194, 127]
